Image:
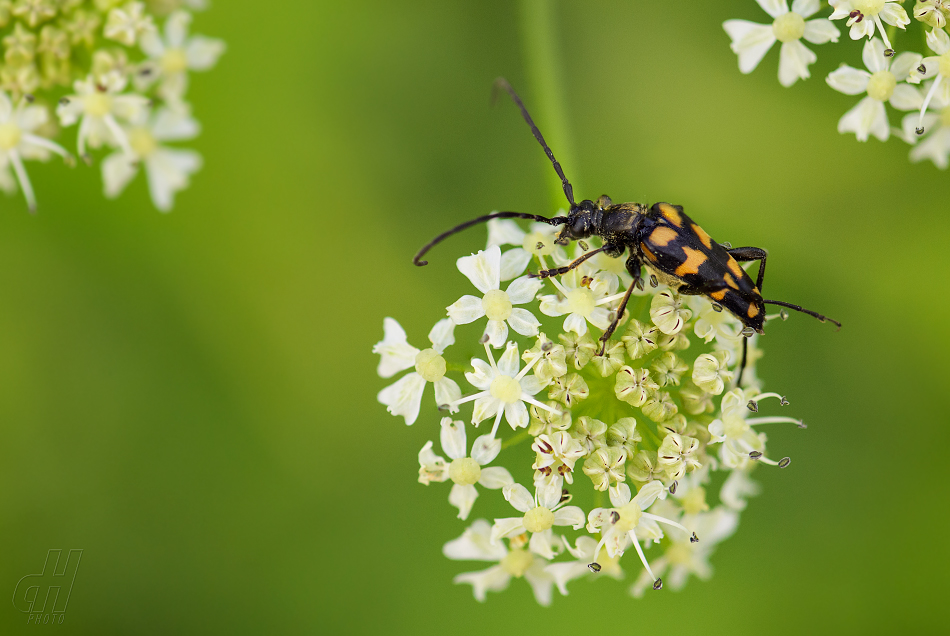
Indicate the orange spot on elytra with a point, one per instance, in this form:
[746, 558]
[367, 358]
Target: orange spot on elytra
[701, 233]
[662, 236]
[734, 266]
[753, 311]
[718, 295]
[646, 252]
[671, 214]
[694, 258]
[730, 281]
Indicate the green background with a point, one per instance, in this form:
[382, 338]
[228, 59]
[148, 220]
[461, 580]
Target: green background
[190, 398]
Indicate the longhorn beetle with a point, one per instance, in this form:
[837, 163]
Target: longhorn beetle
[662, 238]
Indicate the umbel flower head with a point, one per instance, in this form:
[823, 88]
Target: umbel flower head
[115, 72]
[647, 449]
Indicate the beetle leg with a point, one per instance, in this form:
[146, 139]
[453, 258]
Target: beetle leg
[557, 271]
[745, 254]
[633, 266]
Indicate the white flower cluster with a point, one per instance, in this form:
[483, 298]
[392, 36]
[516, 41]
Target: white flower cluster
[664, 440]
[111, 73]
[908, 81]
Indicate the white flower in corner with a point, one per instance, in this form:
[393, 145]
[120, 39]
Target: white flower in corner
[475, 544]
[464, 471]
[484, 270]
[864, 15]
[127, 23]
[883, 82]
[934, 144]
[541, 512]
[168, 169]
[99, 105]
[751, 41]
[396, 354]
[18, 142]
[171, 57]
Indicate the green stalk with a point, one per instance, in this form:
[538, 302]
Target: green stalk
[547, 106]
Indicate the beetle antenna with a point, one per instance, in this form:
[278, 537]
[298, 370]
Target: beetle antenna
[558, 220]
[501, 82]
[803, 310]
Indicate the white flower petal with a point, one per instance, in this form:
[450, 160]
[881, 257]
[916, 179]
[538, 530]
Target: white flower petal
[938, 41]
[517, 414]
[864, 28]
[452, 438]
[514, 262]
[202, 52]
[174, 125]
[475, 544]
[117, 172]
[168, 172]
[619, 495]
[894, 14]
[774, 8]
[566, 572]
[482, 269]
[821, 31]
[569, 516]
[575, 323]
[403, 397]
[463, 497]
[935, 147]
[599, 317]
[531, 384]
[497, 332]
[805, 8]
[649, 493]
[519, 497]
[507, 527]
[794, 59]
[542, 583]
[524, 322]
[542, 544]
[495, 477]
[904, 63]
[485, 449]
[873, 56]
[867, 117]
[523, 290]
[505, 232]
[395, 352]
[482, 375]
[849, 80]
[485, 407]
[906, 97]
[509, 363]
[446, 392]
[494, 579]
[750, 41]
[442, 334]
[465, 310]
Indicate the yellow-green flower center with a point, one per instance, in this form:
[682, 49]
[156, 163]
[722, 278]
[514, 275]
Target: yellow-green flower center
[788, 27]
[97, 104]
[9, 136]
[517, 562]
[174, 61]
[429, 364]
[465, 471]
[945, 116]
[142, 142]
[581, 301]
[538, 519]
[869, 8]
[695, 501]
[506, 389]
[881, 85]
[679, 554]
[629, 517]
[734, 427]
[496, 304]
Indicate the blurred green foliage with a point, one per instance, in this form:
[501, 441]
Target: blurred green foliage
[190, 398]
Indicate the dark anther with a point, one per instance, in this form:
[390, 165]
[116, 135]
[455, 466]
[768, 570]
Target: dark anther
[614, 516]
[545, 470]
[922, 69]
[802, 425]
[544, 447]
[594, 567]
[30, 98]
[547, 346]
[639, 283]
[87, 159]
[563, 469]
[755, 455]
[717, 307]
[856, 15]
[783, 315]
[658, 584]
[753, 406]
[584, 245]
[785, 461]
[727, 246]
[653, 280]
[483, 339]
[694, 538]
[612, 316]
[673, 488]
[888, 52]
[565, 496]
[586, 281]
[64, 102]
[539, 246]
[101, 88]
[784, 401]
[443, 407]
[747, 332]
[919, 130]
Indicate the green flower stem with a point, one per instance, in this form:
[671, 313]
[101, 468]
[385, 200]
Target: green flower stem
[519, 437]
[544, 72]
